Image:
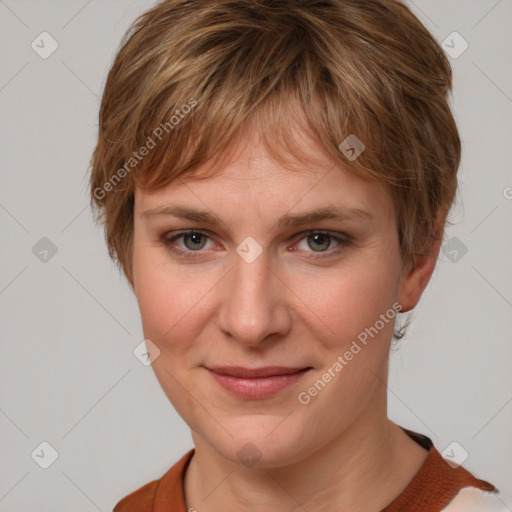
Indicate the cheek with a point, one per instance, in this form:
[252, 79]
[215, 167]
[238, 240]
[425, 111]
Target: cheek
[169, 303]
[158, 294]
[172, 302]
[358, 309]
[355, 298]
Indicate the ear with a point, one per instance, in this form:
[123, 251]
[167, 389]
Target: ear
[418, 272]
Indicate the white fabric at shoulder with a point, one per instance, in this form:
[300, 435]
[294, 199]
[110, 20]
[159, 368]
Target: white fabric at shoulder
[471, 499]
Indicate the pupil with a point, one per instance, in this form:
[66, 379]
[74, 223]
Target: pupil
[323, 239]
[196, 239]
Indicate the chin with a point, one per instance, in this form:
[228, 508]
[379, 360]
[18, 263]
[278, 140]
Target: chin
[261, 441]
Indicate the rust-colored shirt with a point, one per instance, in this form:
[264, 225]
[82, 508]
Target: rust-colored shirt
[431, 490]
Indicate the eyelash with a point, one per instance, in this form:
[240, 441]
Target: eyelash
[343, 242]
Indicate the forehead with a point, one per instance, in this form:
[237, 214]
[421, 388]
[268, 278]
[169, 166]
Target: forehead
[258, 174]
[269, 194]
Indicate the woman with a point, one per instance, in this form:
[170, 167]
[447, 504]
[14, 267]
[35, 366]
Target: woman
[274, 179]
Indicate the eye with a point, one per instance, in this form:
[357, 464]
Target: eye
[313, 242]
[193, 241]
[320, 242]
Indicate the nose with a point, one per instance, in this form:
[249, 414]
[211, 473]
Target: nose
[254, 303]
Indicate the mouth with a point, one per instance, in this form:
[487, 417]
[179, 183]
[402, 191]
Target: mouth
[256, 383]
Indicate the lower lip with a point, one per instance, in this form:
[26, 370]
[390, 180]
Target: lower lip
[258, 387]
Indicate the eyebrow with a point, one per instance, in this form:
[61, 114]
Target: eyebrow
[326, 213]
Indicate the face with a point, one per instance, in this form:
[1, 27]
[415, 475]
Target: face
[266, 282]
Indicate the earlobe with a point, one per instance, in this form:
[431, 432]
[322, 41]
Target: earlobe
[418, 274]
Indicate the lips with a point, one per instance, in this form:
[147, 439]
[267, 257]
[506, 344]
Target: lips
[256, 383]
[248, 373]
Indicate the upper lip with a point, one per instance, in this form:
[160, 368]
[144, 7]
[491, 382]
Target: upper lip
[248, 373]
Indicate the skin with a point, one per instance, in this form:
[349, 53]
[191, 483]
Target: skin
[213, 308]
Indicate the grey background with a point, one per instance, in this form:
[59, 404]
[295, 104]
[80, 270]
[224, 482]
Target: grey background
[69, 324]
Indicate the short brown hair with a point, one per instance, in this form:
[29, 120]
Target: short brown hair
[190, 74]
